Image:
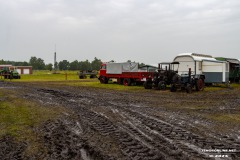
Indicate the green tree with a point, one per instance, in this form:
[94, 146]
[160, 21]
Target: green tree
[85, 65]
[96, 64]
[20, 63]
[141, 64]
[74, 65]
[63, 65]
[37, 63]
[2, 62]
[49, 67]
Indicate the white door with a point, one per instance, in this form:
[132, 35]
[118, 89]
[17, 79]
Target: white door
[19, 71]
[26, 71]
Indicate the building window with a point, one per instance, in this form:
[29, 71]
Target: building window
[200, 65]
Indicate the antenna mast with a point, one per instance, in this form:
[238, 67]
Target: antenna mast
[55, 59]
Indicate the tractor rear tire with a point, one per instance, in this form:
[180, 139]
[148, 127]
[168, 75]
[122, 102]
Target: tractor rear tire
[127, 82]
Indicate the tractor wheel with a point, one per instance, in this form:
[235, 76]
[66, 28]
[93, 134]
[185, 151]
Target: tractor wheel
[200, 85]
[173, 88]
[189, 88]
[162, 85]
[147, 84]
[103, 80]
[126, 81]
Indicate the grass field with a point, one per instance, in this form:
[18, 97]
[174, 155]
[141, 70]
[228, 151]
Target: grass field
[71, 78]
[18, 115]
[49, 76]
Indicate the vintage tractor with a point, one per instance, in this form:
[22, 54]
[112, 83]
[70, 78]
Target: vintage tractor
[8, 74]
[188, 82]
[162, 77]
[167, 75]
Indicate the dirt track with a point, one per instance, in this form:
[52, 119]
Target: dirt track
[107, 124]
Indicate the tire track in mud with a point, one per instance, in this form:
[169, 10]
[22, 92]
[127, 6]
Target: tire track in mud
[129, 146]
[158, 135]
[9, 149]
[143, 135]
[188, 143]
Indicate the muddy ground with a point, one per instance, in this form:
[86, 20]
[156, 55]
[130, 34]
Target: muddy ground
[109, 124]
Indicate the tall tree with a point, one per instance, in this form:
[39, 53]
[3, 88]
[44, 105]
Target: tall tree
[96, 64]
[2, 62]
[85, 65]
[49, 66]
[63, 65]
[37, 63]
[74, 65]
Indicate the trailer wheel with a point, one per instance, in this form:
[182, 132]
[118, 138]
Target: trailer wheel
[127, 82]
[161, 85]
[82, 76]
[189, 88]
[200, 85]
[147, 84]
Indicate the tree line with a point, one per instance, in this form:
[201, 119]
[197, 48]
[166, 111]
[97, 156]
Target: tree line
[39, 64]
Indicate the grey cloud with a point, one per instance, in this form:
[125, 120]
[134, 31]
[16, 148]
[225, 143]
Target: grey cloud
[146, 31]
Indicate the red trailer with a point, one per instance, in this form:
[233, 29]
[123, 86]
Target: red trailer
[125, 73]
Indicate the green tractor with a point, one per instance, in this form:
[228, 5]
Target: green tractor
[8, 74]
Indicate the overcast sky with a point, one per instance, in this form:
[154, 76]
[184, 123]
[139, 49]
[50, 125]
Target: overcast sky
[148, 31]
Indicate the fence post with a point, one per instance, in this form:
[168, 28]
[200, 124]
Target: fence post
[66, 76]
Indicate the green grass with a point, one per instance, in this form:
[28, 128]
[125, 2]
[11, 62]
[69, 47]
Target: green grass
[49, 76]
[96, 84]
[71, 78]
[18, 116]
[233, 118]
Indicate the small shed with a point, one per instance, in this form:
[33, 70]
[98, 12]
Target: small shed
[148, 68]
[215, 71]
[234, 70]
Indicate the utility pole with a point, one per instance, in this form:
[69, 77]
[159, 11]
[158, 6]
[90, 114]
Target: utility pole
[55, 60]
